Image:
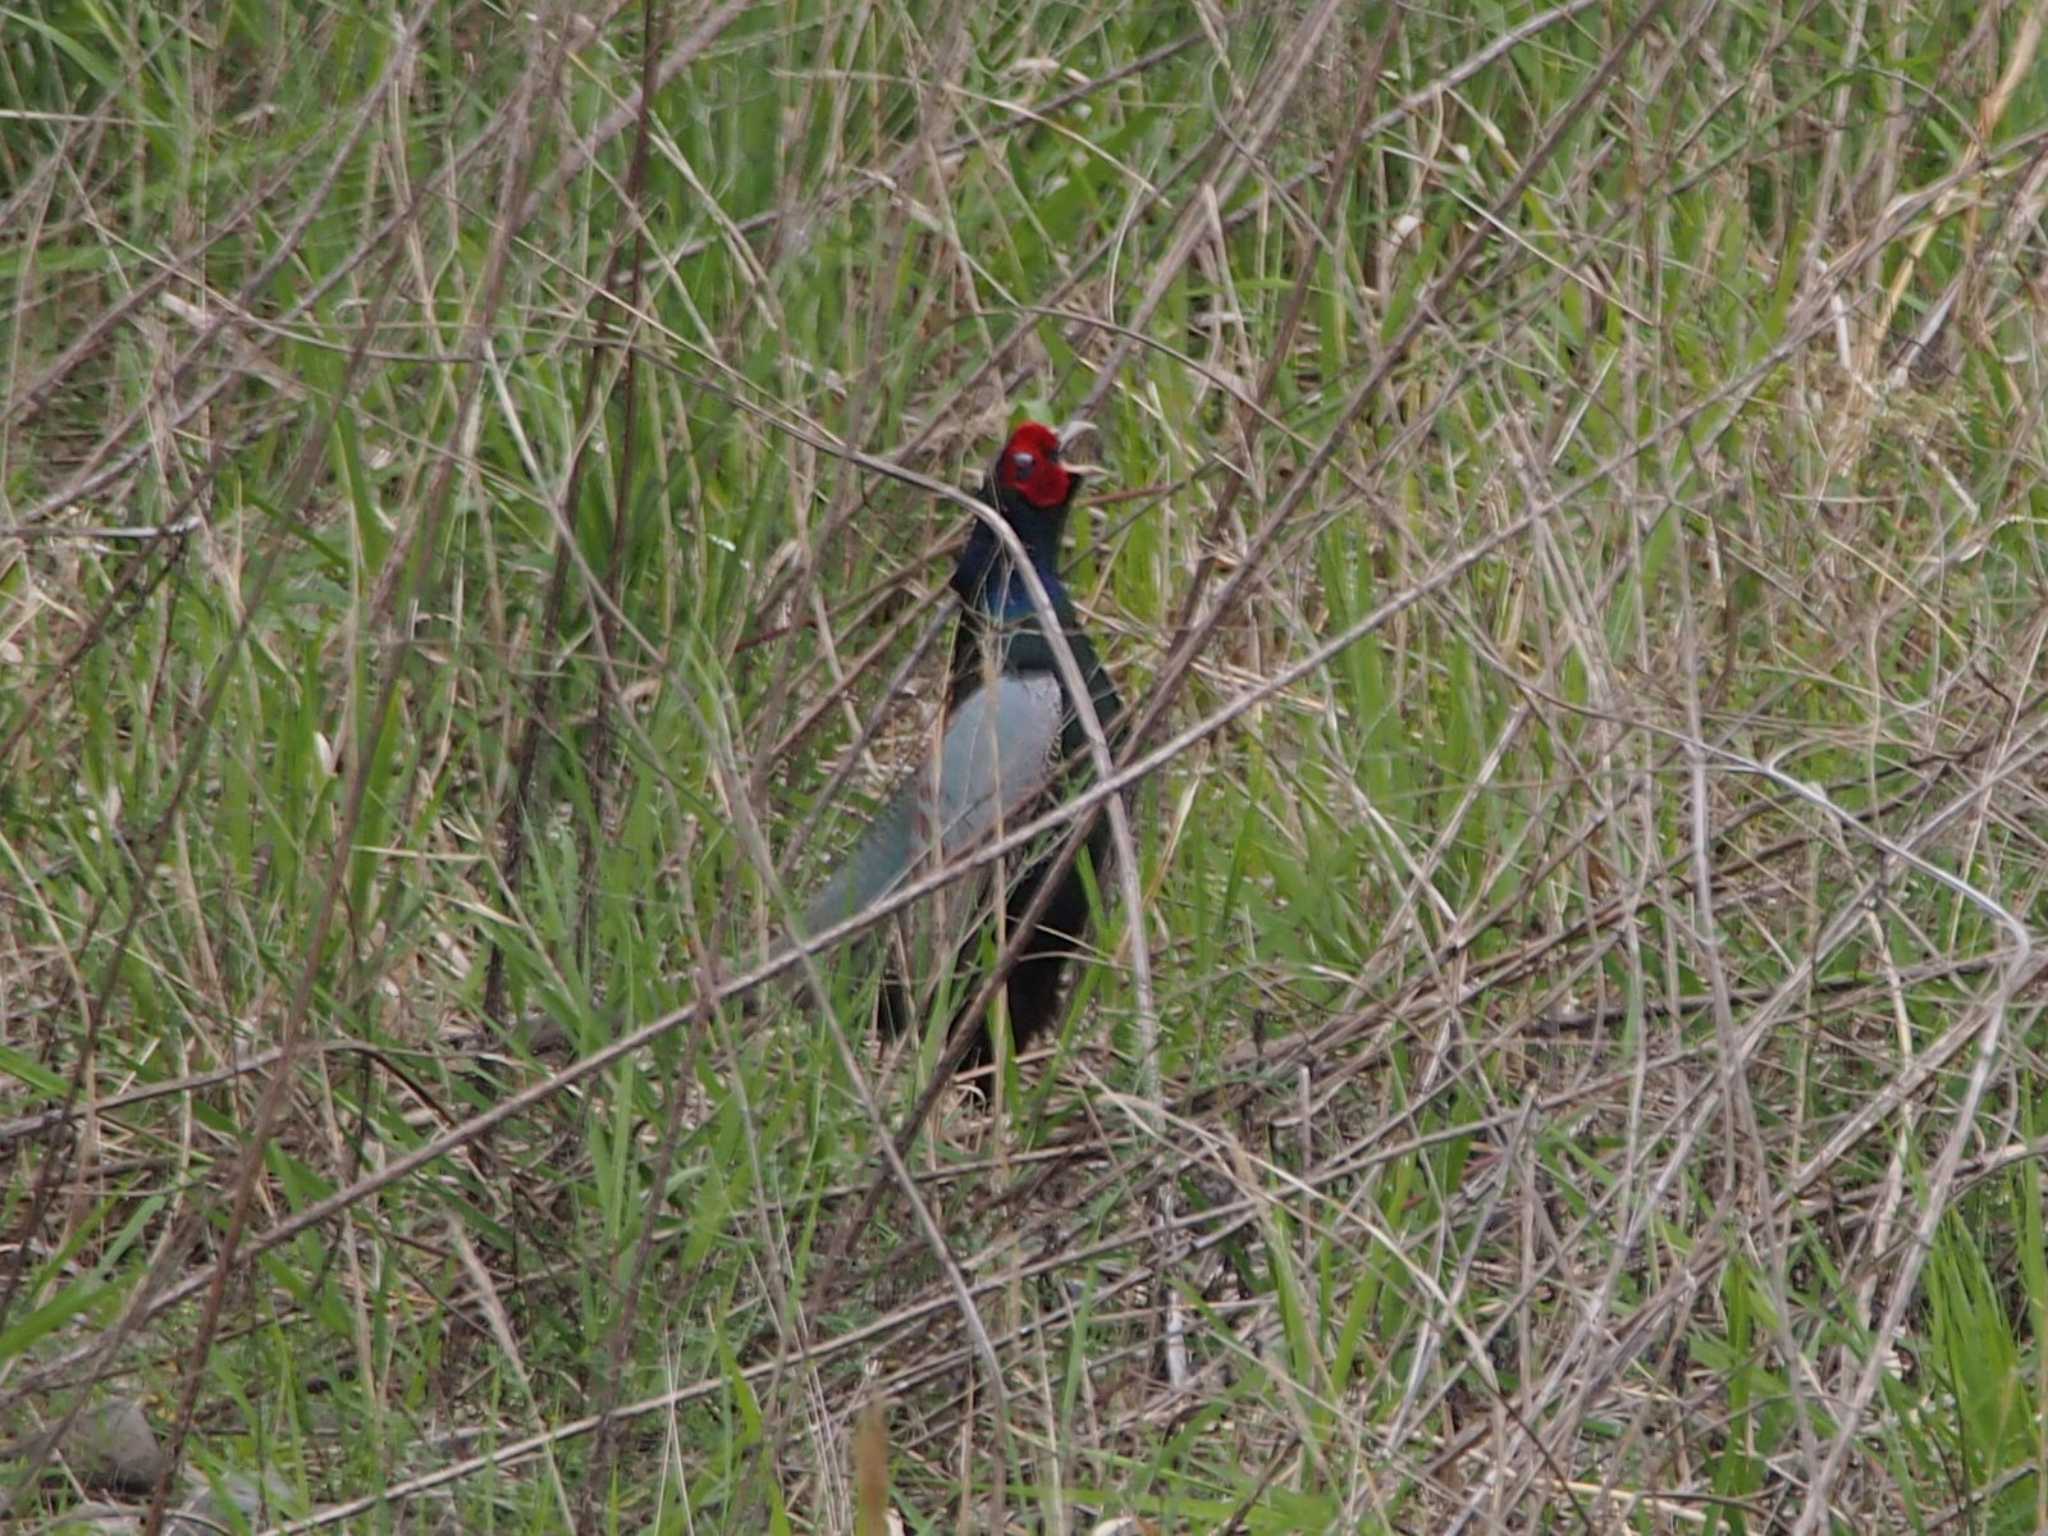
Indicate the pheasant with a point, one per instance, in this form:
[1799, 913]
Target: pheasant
[1011, 741]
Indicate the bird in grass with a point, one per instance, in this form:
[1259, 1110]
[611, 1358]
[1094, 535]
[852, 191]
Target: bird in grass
[1011, 741]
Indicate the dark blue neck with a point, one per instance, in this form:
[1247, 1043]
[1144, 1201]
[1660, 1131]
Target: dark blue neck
[988, 582]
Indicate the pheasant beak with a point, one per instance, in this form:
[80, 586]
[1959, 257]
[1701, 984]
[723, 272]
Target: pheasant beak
[1067, 435]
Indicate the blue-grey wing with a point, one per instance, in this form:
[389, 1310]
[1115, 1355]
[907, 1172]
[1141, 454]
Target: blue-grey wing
[998, 755]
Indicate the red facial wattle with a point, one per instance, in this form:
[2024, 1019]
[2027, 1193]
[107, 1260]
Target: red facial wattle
[1031, 467]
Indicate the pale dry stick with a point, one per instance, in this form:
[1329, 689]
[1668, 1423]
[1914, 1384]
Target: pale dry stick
[1191, 227]
[895, 1168]
[515, 427]
[92, 476]
[733, 232]
[1230, 321]
[1904, 1281]
[1050, 1464]
[1084, 803]
[863, 1336]
[176, 1235]
[1575, 608]
[23, 405]
[1744, 1140]
[1616, 1186]
[1105, 766]
[485, 1289]
[1742, 1147]
[1990, 113]
[1195, 634]
[580, 152]
[1796, 334]
[1820, 224]
[1707, 1106]
[1892, 1188]
[43, 1120]
[1415, 101]
[1233, 1218]
[1551, 1106]
[1982, 1506]
[541, 64]
[107, 532]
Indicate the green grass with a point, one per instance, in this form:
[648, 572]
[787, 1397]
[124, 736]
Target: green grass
[1587, 1076]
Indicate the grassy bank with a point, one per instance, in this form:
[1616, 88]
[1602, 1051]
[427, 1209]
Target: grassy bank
[1572, 529]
